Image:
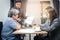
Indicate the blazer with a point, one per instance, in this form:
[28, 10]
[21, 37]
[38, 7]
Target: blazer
[53, 29]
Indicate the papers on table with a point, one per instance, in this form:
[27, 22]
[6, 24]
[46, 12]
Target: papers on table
[29, 20]
[28, 30]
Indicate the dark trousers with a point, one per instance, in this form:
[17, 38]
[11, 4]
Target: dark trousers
[20, 36]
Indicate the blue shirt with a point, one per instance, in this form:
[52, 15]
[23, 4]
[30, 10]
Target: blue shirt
[9, 26]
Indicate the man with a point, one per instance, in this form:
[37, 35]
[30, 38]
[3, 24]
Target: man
[17, 6]
[10, 25]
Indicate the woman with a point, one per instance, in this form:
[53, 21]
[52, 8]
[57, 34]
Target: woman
[52, 22]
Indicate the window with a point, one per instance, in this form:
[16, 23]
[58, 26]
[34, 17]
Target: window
[36, 8]
[43, 4]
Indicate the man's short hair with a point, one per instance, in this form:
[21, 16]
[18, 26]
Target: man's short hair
[18, 1]
[13, 12]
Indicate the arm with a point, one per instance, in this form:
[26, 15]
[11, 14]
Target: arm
[52, 27]
[45, 25]
[18, 27]
[55, 24]
[15, 25]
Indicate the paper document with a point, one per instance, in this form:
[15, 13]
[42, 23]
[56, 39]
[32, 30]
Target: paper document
[29, 30]
[26, 30]
[29, 20]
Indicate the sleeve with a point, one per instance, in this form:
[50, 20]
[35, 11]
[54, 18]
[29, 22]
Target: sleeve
[44, 26]
[54, 25]
[13, 24]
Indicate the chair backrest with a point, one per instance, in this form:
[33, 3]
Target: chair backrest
[1, 25]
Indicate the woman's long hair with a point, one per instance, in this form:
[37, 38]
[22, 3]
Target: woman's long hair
[53, 14]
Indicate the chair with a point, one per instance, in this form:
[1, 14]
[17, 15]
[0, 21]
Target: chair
[1, 25]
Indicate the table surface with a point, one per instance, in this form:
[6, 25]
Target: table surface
[35, 32]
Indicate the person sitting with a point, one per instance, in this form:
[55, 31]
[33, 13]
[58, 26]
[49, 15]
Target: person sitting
[17, 6]
[52, 22]
[10, 25]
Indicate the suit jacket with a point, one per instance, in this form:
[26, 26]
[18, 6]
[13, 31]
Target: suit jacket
[54, 29]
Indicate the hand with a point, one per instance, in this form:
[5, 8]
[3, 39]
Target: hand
[18, 19]
[25, 17]
[18, 27]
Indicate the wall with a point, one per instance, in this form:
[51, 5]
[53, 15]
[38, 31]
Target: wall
[4, 7]
[33, 9]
